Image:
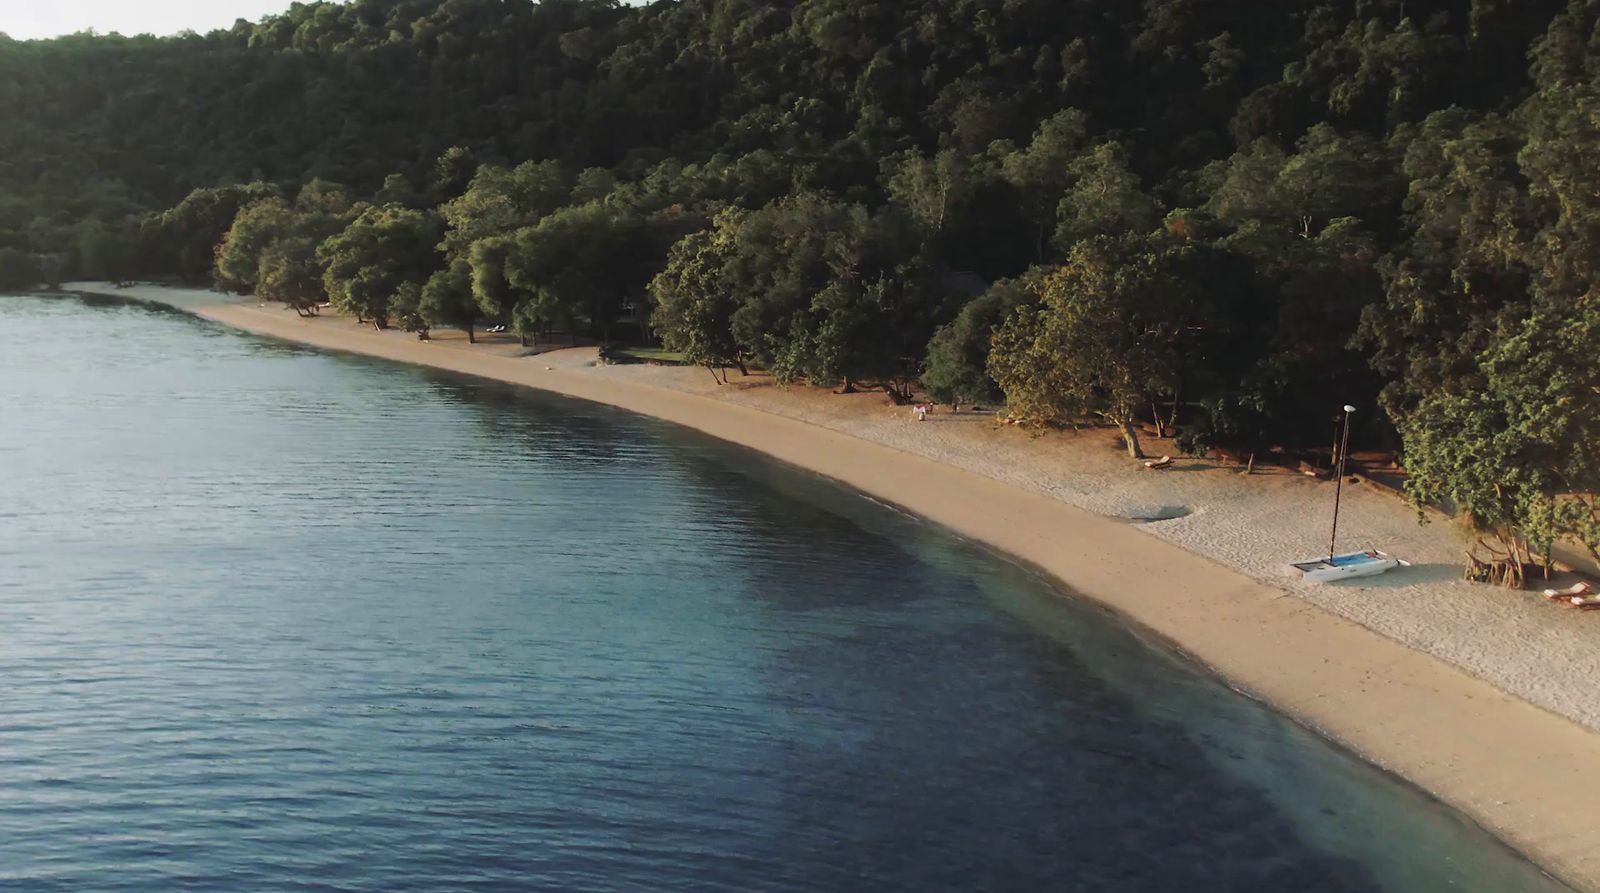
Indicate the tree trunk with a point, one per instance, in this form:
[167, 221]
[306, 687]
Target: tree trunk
[472, 337]
[1130, 436]
[738, 360]
[1503, 567]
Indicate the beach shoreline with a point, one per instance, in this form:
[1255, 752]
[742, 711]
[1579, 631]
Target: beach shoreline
[1529, 775]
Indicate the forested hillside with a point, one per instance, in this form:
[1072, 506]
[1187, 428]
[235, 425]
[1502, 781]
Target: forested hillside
[1223, 218]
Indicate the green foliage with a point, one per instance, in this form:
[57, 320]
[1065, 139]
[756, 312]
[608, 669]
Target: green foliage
[811, 288]
[574, 267]
[930, 189]
[447, 298]
[958, 354]
[1469, 217]
[1108, 335]
[1041, 172]
[288, 271]
[1106, 198]
[271, 248]
[487, 260]
[254, 229]
[1244, 215]
[499, 200]
[1515, 450]
[406, 307]
[1280, 312]
[384, 248]
[187, 233]
[103, 253]
[694, 307]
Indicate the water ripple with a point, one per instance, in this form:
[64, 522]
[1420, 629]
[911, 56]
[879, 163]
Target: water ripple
[281, 621]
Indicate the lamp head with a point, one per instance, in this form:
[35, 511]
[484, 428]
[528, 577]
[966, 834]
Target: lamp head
[1349, 408]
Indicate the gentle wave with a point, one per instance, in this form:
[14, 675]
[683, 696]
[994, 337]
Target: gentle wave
[279, 620]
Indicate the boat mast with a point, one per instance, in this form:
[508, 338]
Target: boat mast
[1338, 487]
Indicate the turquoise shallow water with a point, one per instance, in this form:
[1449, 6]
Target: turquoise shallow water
[275, 619]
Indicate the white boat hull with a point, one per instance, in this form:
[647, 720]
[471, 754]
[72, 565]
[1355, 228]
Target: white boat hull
[1348, 566]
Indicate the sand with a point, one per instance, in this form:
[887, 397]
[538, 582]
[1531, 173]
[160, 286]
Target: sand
[1488, 699]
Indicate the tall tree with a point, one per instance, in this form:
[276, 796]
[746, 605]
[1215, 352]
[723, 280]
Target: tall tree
[957, 367]
[694, 306]
[447, 299]
[288, 270]
[1041, 172]
[1106, 337]
[1106, 198]
[383, 248]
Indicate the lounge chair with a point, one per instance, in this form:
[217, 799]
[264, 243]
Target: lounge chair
[1586, 601]
[1579, 588]
[1163, 462]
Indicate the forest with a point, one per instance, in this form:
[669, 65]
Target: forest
[1217, 219]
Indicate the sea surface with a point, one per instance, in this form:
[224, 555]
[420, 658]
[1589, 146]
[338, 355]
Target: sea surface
[274, 619]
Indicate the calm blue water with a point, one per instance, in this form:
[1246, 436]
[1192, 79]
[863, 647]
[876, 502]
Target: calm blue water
[273, 619]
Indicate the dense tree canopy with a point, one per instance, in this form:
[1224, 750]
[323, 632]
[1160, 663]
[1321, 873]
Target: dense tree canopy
[1223, 218]
[1111, 332]
[384, 248]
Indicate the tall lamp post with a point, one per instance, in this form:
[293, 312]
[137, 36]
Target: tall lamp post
[1338, 487]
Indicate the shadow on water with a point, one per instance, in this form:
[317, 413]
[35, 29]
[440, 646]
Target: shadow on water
[68, 302]
[100, 301]
[548, 426]
[583, 435]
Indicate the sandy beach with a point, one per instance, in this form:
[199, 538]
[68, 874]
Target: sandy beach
[1488, 699]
